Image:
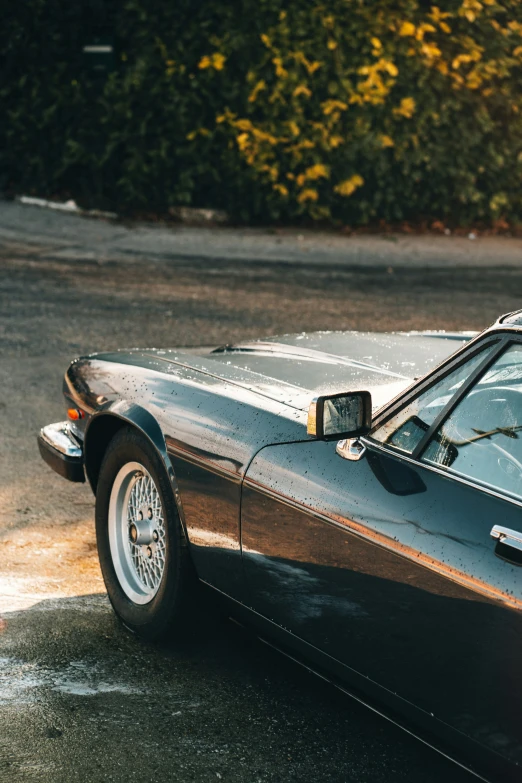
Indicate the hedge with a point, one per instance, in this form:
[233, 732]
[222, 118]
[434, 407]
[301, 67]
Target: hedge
[349, 111]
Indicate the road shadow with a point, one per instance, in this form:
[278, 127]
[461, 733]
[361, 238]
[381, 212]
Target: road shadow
[82, 698]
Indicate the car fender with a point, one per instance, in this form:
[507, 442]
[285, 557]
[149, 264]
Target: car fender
[102, 427]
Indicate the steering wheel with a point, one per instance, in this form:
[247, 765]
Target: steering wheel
[506, 466]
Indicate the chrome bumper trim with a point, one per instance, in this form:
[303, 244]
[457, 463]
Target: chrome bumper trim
[59, 438]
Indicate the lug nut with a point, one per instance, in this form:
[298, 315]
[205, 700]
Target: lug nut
[155, 535]
[149, 552]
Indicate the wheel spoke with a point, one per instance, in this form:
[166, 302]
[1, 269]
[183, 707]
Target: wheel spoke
[137, 508]
[148, 568]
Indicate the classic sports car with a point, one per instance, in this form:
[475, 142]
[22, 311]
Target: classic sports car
[355, 497]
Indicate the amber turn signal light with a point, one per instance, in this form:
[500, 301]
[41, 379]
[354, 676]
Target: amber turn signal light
[75, 414]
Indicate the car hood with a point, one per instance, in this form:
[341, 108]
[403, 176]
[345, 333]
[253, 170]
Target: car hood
[297, 367]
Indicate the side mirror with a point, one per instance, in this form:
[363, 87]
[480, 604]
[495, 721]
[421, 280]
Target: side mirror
[336, 416]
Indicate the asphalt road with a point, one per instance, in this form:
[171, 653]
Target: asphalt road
[80, 699]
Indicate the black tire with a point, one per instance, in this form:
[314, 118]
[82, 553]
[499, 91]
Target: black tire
[173, 610]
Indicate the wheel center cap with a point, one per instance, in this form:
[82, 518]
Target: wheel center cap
[141, 532]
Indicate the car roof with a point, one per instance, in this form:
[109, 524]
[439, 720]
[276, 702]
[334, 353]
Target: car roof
[511, 319]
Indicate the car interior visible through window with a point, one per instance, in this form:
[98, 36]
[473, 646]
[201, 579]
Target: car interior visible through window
[482, 437]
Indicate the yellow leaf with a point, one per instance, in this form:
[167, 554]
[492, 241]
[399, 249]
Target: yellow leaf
[349, 186]
[312, 67]
[407, 28]
[474, 80]
[330, 106]
[391, 68]
[309, 194]
[266, 40]
[317, 171]
[301, 89]
[498, 202]
[376, 43]
[280, 71]
[406, 108]
[272, 171]
[336, 141]
[280, 188]
[306, 144]
[332, 44]
[216, 61]
[261, 85]
[244, 125]
[430, 50]
[424, 28]
[436, 14]
[461, 58]
[387, 141]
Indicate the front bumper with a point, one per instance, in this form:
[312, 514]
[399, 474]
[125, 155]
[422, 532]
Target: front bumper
[62, 451]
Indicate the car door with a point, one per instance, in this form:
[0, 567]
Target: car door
[387, 562]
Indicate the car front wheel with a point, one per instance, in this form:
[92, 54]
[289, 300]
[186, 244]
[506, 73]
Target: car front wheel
[141, 544]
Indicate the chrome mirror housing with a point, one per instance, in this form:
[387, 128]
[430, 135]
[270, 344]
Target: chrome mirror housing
[351, 449]
[335, 416]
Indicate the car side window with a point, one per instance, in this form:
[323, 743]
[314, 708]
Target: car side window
[407, 427]
[482, 437]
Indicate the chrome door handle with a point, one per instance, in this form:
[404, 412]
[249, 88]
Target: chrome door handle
[504, 535]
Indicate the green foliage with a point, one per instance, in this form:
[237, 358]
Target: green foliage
[346, 110]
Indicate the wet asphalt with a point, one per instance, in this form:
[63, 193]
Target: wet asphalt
[81, 699]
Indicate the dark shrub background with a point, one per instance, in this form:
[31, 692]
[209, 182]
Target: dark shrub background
[343, 111]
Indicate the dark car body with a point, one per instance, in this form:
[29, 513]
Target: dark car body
[379, 571]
